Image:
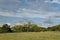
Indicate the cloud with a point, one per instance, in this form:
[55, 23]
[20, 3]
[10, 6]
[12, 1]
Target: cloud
[53, 1]
[28, 8]
[8, 23]
[14, 5]
[23, 12]
[10, 5]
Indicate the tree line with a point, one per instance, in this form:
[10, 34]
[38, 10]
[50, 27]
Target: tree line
[29, 27]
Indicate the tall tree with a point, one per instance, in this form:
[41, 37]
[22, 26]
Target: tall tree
[6, 28]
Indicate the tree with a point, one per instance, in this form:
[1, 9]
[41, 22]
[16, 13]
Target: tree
[54, 28]
[0, 29]
[6, 28]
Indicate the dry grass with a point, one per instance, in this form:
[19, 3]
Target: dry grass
[31, 36]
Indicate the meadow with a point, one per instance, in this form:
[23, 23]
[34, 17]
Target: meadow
[30, 36]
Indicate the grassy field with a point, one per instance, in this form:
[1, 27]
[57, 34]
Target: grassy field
[31, 36]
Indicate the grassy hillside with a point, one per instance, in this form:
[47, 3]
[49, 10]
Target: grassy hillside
[31, 36]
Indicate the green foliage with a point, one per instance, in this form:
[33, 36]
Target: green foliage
[28, 27]
[54, 28]
[0, 29]
[17, 28]
[5, 28]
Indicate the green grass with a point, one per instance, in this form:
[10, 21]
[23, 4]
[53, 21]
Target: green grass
[31, 36]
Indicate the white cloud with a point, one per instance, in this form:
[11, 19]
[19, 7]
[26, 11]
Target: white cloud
[36, 10]
[18, 24]
[37, 14]
[53, 1]
[12, 14]
[29, 8]
[8, 23]
[30, 13]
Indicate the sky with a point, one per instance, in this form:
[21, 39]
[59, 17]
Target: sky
[42, 12]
